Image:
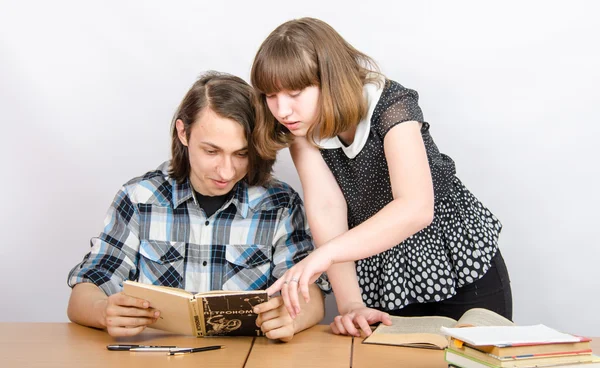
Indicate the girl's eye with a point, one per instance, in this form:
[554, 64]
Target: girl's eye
[295, 93]
[269, 96]
[242, 154]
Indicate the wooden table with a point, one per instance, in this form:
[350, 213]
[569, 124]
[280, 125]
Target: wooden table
[316, 347]
[70, 345]
[370, 355]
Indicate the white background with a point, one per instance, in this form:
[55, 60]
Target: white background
[87, 91]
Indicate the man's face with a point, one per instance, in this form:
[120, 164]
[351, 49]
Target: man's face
[218, 153]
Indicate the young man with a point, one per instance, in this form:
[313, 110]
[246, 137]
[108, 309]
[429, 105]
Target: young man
[210, 219]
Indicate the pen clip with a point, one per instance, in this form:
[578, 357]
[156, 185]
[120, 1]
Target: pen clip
[120, 347]
[194, 350]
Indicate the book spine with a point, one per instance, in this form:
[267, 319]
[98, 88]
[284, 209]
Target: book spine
[197, 317]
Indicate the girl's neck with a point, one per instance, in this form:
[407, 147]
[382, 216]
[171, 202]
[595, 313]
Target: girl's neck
[347, 137]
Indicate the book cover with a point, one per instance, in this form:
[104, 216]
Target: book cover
[213, 313]
[231, 314]
[425, 332]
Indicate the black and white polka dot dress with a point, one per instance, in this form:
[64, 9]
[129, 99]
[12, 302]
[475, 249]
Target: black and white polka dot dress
[453, 251]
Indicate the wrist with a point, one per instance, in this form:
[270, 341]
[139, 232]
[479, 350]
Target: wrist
[349, 307]
[328, 250]
[99, 309]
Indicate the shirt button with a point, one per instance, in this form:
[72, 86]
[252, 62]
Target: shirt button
[204, 263]
[206, 223]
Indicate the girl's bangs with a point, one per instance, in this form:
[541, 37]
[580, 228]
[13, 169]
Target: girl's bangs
[283, 68]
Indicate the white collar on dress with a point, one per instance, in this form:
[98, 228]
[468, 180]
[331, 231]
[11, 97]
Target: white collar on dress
[372, 92]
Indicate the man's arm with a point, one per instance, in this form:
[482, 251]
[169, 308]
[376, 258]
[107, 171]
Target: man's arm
[103, 270]
[275, 321]
[119, 314]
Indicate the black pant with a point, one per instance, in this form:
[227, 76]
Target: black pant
[491, 292]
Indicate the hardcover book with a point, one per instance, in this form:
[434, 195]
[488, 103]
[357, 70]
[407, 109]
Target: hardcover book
[512, 350]
[529, 360]
[425, 332]
[460, 360]
[212, 313]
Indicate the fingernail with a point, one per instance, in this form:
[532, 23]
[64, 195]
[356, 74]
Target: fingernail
[156, 314]
[146, 304]
[255, 310]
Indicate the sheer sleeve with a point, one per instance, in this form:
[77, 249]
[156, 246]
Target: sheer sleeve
[396, 105]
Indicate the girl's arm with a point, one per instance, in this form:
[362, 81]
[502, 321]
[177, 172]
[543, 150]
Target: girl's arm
[410, 211]
[326, 211]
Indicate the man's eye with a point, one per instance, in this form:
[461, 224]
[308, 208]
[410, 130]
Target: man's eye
[211, 152]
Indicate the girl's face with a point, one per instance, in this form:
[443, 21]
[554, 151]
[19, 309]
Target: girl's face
[296, 110]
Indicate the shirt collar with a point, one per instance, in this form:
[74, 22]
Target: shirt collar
[372, 93]
[182, 192]
[240, 198]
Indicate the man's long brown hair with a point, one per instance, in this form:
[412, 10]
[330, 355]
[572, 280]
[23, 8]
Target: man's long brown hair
[230, 97]
[309, 52]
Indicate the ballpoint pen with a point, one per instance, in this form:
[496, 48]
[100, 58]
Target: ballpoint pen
[194, 350]
[141, 347]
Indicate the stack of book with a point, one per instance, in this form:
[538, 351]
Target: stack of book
[517, 346]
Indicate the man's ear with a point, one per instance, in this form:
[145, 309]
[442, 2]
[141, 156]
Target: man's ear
[181, 134]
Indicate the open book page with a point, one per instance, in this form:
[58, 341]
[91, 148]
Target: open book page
[412, 331]
[404, 325]
[482, 317]
[508, 335]
[229, 292]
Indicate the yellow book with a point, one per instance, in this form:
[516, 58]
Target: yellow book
[424, 332]
[212, 313]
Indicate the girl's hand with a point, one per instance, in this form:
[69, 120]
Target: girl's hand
[299, 277]
[360, 317]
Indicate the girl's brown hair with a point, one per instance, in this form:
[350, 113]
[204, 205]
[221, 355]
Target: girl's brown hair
[309, 52]
[229, 97]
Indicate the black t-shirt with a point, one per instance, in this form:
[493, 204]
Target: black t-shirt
[209, 204]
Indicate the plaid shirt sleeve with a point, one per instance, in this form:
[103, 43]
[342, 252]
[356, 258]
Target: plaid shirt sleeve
[293, 242]
[114, 254]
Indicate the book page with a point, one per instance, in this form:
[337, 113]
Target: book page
[406, 325]
[420, 332]
[508, 335]
[482, 317]
[228, 292]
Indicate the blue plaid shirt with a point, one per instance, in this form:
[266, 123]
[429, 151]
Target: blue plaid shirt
[156, 233]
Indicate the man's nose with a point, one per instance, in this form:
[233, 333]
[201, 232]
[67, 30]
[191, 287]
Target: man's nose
[226, 169]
